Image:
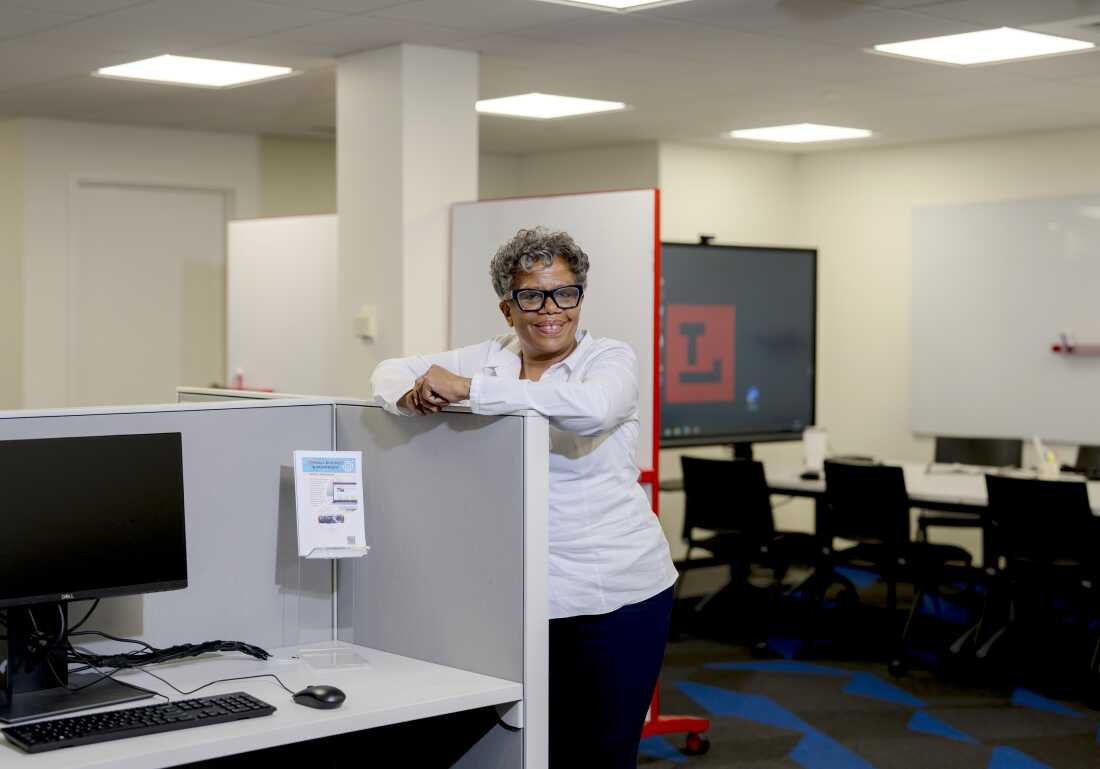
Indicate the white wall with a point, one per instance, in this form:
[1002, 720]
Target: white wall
[621, 167]
[740, 196]
[11, 264]
[58, 154]
[498, 176]
[297, 176]
[630, 166]
[857, 207]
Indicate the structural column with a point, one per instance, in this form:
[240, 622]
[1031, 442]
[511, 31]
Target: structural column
[407, 148]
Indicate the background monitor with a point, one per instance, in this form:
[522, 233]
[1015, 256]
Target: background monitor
[737, 343]
[91, 517]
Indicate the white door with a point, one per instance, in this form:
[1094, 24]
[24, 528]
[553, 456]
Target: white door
[147, 301]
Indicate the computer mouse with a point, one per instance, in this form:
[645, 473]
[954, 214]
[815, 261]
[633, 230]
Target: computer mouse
[320, 696]
[810, 475]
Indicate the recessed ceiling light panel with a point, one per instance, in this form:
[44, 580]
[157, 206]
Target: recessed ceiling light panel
[800, 133]
[616, 6]
[985, 47]
[200, 73]
[545, 106]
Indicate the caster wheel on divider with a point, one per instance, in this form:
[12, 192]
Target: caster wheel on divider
[697, 744]
[897, 668]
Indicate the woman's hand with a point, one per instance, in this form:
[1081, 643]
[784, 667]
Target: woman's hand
[411, 402]
[437, 388]
[445, 385]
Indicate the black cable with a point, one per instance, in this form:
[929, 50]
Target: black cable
[151, 655]
[103, 677]
[219, 681]
[77, 626]
[115, 638]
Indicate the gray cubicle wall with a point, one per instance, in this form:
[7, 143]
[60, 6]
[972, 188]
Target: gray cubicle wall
[446, 528]
[245, 580]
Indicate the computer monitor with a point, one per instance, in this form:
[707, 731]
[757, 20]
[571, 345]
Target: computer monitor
[737, 343]
[81, 517]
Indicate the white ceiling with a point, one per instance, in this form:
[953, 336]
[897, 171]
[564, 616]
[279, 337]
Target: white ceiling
[688, 70]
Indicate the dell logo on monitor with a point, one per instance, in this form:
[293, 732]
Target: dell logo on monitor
[67, 597]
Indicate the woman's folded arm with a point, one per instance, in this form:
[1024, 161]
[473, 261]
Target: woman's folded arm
[605, 398]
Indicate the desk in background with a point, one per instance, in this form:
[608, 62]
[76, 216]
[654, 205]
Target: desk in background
[958, 495]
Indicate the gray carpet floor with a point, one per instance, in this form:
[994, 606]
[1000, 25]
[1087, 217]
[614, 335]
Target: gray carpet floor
[821, 714]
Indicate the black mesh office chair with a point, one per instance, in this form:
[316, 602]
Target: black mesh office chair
[868, 504]
[982, 452]
[728, 514]
[990, 452]
[1045, 542]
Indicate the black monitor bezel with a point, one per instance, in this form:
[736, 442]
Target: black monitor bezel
[755, 435]
[115, 590]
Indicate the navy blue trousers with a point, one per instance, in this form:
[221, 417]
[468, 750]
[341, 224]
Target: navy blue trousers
[603, 669]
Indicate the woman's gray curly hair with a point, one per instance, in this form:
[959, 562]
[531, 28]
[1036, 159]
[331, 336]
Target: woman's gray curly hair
[533, 248]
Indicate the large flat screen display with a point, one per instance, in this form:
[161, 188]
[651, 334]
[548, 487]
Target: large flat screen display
[91, 517]
[737, 343]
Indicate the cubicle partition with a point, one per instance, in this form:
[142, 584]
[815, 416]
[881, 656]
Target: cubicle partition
[458, 534]
[245, 580]
[456, 576]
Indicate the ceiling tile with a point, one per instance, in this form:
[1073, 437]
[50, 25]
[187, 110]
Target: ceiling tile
[486, 15]
[900, 3]
[844, 25]
[76, 8]
[350, 34]
[339, 6]
[1054, 67]
[1011, 13]
[169, 26]
[22, 63]
[256, 51]
[19, 20]
[651, 35]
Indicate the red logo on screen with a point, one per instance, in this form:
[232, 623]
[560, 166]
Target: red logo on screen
[699, 347]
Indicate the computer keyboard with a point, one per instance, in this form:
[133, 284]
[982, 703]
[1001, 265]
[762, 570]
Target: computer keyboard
[133, 722]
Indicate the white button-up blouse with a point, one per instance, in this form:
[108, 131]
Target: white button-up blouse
[607, 549]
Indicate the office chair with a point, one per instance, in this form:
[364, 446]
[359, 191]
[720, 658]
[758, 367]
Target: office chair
[868, 504]
[1045, 542]
[987, 452]
[990, 452]
[731, 500]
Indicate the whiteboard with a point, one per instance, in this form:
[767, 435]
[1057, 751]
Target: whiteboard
[282, 314]
[618, 231]
[993, 286]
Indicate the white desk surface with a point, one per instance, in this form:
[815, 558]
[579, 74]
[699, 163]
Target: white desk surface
[944, 484]
[388, 689]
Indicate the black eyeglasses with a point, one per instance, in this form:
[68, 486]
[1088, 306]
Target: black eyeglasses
[533, 299]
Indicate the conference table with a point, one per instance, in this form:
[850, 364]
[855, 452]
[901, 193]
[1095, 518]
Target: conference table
[956, 492]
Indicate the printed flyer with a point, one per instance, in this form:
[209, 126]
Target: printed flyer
[328, 488]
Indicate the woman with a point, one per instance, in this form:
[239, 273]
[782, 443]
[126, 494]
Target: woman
[610, 572]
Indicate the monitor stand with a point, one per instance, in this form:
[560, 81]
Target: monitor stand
[742, 450]
[38, 683]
